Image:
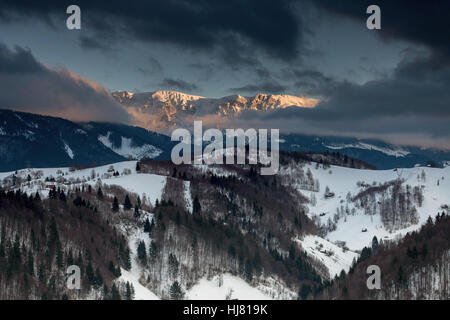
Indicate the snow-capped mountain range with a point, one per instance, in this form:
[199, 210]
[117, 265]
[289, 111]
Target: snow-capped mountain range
[163, 110]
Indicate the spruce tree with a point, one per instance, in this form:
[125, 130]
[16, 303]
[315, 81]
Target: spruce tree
[115, 295]
[196, 206]
[111, 267]
[98, 279]
[115, 206]
[147, 226]
[375, 244]
[90, 273]
[62, 196]
[175, 291]
[142, 252]
[128, 294]
[127, 203]
[100, 193]
[127, 261]
[305, 290]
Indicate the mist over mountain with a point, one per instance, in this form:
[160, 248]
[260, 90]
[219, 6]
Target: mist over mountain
[30, 140]
[163, 111]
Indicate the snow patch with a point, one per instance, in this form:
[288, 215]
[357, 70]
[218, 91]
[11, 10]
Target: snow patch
[149, 185]
[68, 150]
[127, 149]
[333, 257]
[140, 292]
[225, 286]
[80, 131]
[362, 145]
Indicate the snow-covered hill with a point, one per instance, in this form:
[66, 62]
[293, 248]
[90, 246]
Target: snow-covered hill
[352, 206]
[147, 186]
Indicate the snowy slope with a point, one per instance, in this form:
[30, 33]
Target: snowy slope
[399, 152]
[334, 248]
[228, 286]
[141, 292]
[233, 286]
[136, 273]
[333, 257]
[342, 181]
[148, 185]
[128, 150]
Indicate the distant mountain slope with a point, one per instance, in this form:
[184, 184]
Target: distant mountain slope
[30, 140]
[131, 142]
[375, 152]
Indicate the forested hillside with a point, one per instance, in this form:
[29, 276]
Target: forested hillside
[150, 229]
[417, 267]
[41, 238]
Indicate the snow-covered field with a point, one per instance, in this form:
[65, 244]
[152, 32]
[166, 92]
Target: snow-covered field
[143, 184]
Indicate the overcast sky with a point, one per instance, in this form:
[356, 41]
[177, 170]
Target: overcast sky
[390, 83]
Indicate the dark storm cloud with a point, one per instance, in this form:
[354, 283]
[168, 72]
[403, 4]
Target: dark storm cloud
[412, 106]
[28, 85]
[425, 22]
[153, 67]
[204, 24]
[411, 101]
[94, 43]
[309, 82]
[178, 84]
[21, 61]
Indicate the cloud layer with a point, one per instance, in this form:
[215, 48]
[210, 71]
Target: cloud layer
[28, 85]
[195, 24]
[408, 104]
